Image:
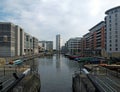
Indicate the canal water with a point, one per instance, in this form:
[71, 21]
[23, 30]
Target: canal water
[56, 73]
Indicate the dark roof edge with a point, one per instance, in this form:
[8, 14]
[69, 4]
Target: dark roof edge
[97, 25]
[111, 9]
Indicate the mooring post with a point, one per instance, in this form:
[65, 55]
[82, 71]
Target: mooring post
[1, 86]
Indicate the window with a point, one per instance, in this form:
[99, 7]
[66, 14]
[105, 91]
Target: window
[116, 23]
[110, 17]
[110, 37]
[115, 15]
[110, 33]
[116, 36]
[110, 29]
[110, 25]
[110, 41]
[5, 38]
[116, 45]
[116, 10]
[110, 49]
[116, 32]
[116, 49]
[109, 21]
[110, 45]
[116, 40]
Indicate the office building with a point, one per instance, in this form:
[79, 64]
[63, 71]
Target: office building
[46, 46]
[74, 46]
[15, 42]
[49, 46]
[28, 44]
[19, 37]
[7, 39]
[35, 45]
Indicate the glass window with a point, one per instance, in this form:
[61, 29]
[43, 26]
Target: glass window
[110, 37]
[110, 29]
[116, 32]
[110, 49]
[116, 36]
[110, 25]
[110, 21]
[115, 15]
[110, 17]
[110, 33]
[116, 40]
[116, 23]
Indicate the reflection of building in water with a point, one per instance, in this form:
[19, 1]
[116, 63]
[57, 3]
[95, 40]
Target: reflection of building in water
[58, 62]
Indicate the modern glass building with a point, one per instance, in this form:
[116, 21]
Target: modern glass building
[7, 39]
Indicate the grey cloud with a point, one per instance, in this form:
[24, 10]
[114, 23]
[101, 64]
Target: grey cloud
[46, 18]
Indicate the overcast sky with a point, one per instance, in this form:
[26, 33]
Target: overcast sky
[45, 19]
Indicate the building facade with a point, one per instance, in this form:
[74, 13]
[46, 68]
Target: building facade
[35, 45]
[49, 46]
[97, 39]
[74, 46]
[28, 44]
[58, 43]
[19, 46]
[86, 47]
[7, 39]
[46, 46]
[112, 20]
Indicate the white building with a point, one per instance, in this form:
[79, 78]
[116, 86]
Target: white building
[49, 46]
[35, 45]
[28, 44]
[58, 42]
[46, 46]
[19, 35]
[74, 46]
[113, 31]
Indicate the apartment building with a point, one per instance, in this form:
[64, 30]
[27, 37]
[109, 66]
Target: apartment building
[112, 21]
[86, 50]
[97, 39]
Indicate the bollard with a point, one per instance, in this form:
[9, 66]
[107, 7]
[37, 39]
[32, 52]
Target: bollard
[15, 76]
[1, 87]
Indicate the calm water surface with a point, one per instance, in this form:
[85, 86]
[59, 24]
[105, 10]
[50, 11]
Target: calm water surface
[56, 73]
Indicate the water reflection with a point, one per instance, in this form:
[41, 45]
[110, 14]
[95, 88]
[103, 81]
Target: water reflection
[58, 62]
[56, 73]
